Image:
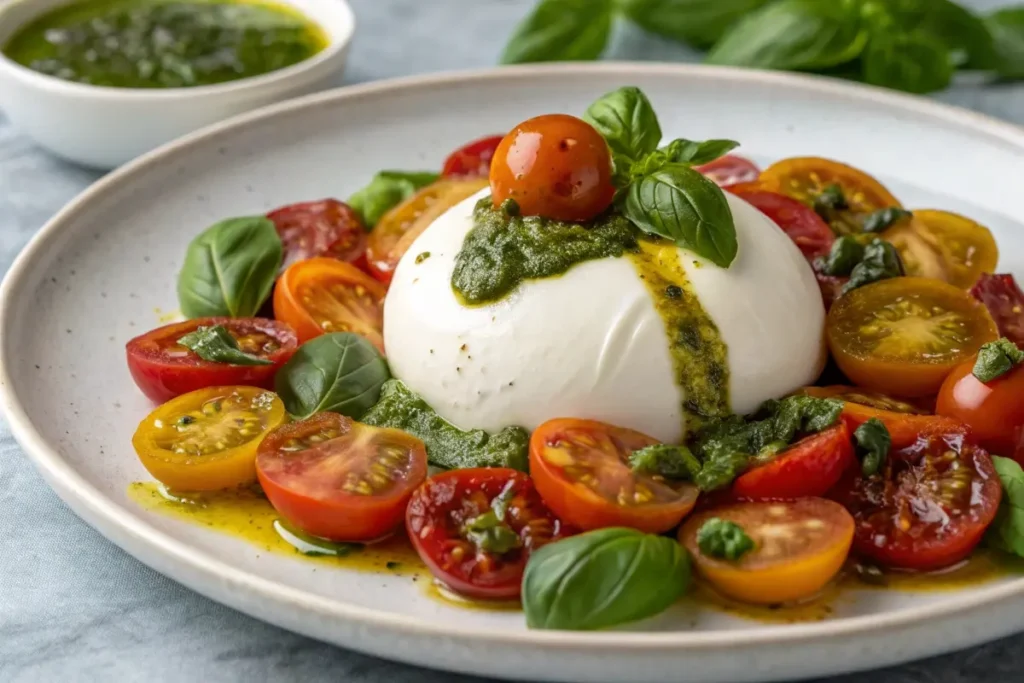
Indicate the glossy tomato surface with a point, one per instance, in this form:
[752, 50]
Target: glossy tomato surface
[582, 470]
[162, 368]
[456, 519]
[556, 166]
[730, 170]
[806, 228]
[1005, 302]
[928, 506]
[472, 160]
[944, 246]
[810, 467]
[994, 411]
[323, 228]
[338, 479]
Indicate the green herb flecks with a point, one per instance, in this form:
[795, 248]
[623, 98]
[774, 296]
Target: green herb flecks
[490, 531]
[997, 358]
[881, 261]
[883, 219]
[830, 199]
[664, 460]
[215, 344]
[723, 539]
[873, 442]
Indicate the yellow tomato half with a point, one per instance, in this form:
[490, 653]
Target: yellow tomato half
[944, 246]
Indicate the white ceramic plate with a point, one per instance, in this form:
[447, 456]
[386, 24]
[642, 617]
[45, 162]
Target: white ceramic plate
[95, 275]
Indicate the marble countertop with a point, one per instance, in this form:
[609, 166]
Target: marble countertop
[74, 607]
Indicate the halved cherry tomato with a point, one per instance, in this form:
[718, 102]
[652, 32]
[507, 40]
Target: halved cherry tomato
[994, 411]
[928, 506]
[581, 468]
[799, 546]
[944, 246]
[730, 170]
[810, 467]
[806, 228]
[338, 479]
[805, 178]
[472, 160]
[556, 166]
[206, 440]
[1005, 302]
[321, 295]
[324, 228]
[831, 287]
[902, 336]
[398, 228]
[162, 368]
[475, 529]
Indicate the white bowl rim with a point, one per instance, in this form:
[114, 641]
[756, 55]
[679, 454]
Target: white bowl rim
[103, 513]
[59, 86]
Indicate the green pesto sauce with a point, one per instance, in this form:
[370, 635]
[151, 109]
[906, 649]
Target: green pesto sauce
[502, 251]
[447, 445]
[165, 44]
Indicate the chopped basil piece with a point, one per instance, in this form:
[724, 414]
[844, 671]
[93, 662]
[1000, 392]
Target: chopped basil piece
[845, 254]
[873, 442]
[997, 358]
[881, 261]
[491, 533]
[723, 539]
[215, 344]
[671, 462]
[830, 199]
[883, 219]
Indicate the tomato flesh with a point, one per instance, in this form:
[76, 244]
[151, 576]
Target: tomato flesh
[945, 246]
[994, 411]
[730, 170]
[581, 468]
[323, 228]
[162, 368]
[807, 230]
[472, 160]
[810, 467]
[1005, 302]
[338, 479]
[444, 508]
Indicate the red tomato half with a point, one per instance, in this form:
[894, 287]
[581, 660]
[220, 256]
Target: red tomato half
[994, 411]
[730, 170]
[1005, 301]
[928, 506]
[324, 228]
[831, 287]
[806, 228]
[338, 479]
[472, 160]
[162, 368]
[810, 467]
[475, 529]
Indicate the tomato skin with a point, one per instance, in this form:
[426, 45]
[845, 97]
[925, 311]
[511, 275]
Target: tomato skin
[810, 467]
[162, 369]
[556, 166]
[1005, 302]
[807, 230]
[586, 509]
[993, 411]
[831, 287]
[472, 160]
[299, 483]
[322, 228]
[441, 506]
[730, 171]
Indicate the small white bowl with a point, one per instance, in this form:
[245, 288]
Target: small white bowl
[104, 127]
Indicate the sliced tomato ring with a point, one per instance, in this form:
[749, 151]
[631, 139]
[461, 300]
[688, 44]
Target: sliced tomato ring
[1005, 303]
[475, 529]
[398, 228]
[323, 228]
[162, 368]
[902, 336]
[810, 467]
[206, 440]
[322, 295]
[944, 246]
[799, 546]
[338, 479]
[472, 160]
[581, 468]
[806, 228]
[929, 505]
[730, 170]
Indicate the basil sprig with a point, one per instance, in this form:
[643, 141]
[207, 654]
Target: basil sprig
[997, 358]
[230, 269]
[216, 345]
[386, 190]
[603, 578]
[658, 190]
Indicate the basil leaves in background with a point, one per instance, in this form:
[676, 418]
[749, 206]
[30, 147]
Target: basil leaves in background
[340, 372]
[216, 345]
[230, 269]
[658, 190]
[910, 45]
[603, 578]
[387, 190]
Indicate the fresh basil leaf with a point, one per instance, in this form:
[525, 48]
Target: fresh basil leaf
[696, 153]
[997, 358]
[873, 442]
[883, 219]
[845, 254]
[914, 62]
[723, 539]
[603, 578]
[793, 34]
[626, 120]
[216, 345]
[230, 269]
[447, 445]
[696, 22]
[339, 372]
[387, 190]
[881, 261]
[670, 462]
[1006, 532]
[962, 32]
[561, 30]
[1007, 29]
[313, 545]
[684, 206]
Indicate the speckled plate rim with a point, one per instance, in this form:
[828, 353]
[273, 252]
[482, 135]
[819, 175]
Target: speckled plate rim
[236, 587]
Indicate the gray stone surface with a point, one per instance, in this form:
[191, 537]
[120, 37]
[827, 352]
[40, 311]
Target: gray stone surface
[74, 607]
